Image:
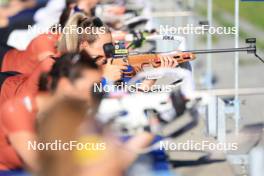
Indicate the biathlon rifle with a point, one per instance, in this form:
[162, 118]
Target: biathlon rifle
[120, 55]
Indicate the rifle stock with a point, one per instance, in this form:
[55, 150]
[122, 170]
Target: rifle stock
[139, 61]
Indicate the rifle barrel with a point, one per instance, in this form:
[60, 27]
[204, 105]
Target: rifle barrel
[249, 49]
[229, 50]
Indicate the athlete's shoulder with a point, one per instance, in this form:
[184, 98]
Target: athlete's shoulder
[18, 103]
[15, 114]
[46, 37]
[43, 42]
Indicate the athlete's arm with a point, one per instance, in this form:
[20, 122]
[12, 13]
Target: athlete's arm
[18, 126]
[23, 143]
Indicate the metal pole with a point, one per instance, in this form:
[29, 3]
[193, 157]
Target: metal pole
[191, 36]
[237, 103]
[191, 22]
[209, 46]
[221, 120]
[256, 161]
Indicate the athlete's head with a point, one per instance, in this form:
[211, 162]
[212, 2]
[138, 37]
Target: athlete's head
[72, 75]
[85, 33]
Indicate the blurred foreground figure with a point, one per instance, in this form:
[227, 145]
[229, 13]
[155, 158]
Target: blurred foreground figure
[97, 152]
[68, 114]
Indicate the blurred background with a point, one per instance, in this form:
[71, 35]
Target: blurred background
[251, 19]
[222, 65]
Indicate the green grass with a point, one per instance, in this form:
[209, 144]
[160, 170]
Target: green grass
[250, 11]
[223, 5]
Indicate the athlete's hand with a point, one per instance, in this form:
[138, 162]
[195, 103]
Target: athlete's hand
[113, 72]
[168, 61]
